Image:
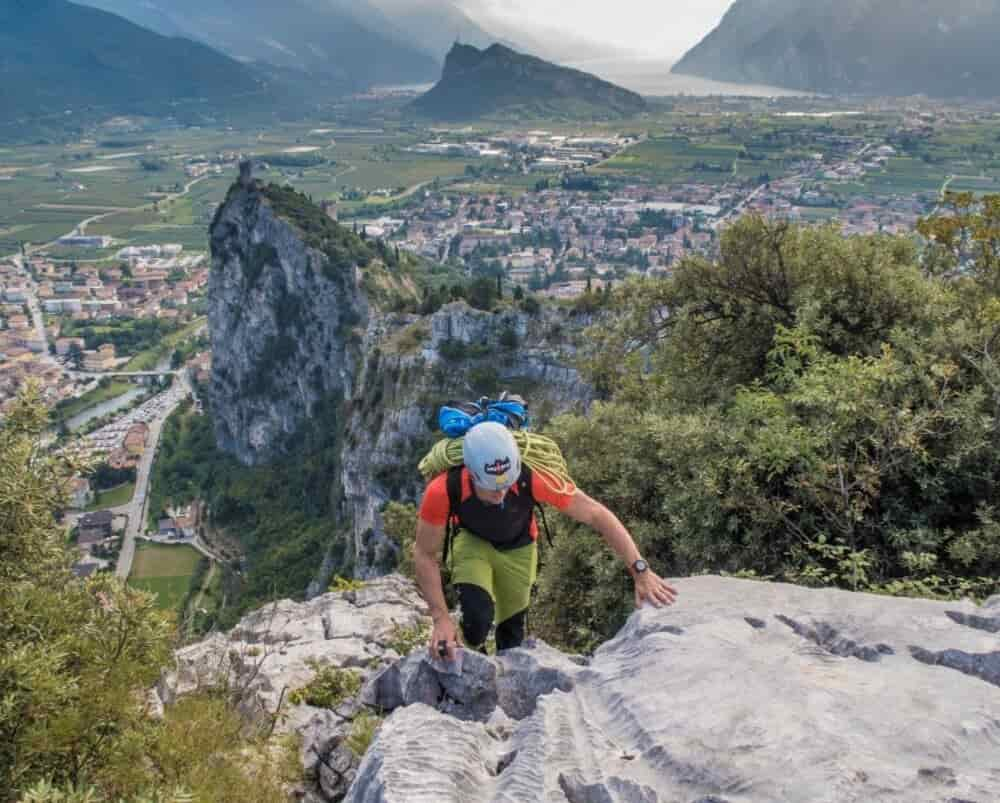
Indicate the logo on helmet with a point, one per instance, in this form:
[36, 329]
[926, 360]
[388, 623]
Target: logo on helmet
[498, 467]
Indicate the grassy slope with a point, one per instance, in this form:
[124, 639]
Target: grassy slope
[165, 571]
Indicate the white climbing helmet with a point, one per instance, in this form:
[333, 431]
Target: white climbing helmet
[490, 453]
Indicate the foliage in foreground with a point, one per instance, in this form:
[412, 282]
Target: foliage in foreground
[77, 658]
[811, 408]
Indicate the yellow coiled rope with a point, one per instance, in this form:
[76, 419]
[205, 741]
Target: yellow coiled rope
[542, 455]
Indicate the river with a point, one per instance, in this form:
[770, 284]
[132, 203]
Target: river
[113, 405]
[109, 406]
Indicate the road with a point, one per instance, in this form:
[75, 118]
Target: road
[102, 374]
[136, 510]
[36, 311]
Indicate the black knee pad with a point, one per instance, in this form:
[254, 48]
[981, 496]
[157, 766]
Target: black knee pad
[510, 633]
[477, 613]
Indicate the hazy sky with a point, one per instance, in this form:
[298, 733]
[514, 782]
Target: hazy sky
[655, 28]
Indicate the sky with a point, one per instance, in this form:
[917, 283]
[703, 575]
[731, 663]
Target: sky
[660, 29]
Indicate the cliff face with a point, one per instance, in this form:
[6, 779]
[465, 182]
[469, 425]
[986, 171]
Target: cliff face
[292, 333]
[478, 83]
[890, 47]
[281, 319]
[414, 364]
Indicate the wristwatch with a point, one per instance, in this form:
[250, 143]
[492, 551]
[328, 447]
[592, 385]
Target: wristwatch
[640, 566]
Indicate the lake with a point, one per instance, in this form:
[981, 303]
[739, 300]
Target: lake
[653, 78]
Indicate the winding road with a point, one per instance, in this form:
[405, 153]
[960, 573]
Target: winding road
[136, 509]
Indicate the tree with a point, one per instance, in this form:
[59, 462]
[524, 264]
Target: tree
[75, 355]
[811, 408]
[73, 655]
[77, 659]
[481, 293]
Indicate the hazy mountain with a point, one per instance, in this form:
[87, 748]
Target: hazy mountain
[478, 83]
[56, 56]
[317, 37]
[893, 47]
[432, 25]
[435, 25]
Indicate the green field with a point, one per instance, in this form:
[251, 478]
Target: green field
[49, 189]
[113, 497]
[164, 570]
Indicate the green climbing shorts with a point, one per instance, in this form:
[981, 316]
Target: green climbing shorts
[506, 575]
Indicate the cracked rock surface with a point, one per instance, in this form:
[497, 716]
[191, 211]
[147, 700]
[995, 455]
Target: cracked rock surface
[274, 651]
[742, 692]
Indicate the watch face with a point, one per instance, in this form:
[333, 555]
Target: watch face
[640, 566]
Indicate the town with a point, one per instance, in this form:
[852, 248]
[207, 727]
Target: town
[575, 229]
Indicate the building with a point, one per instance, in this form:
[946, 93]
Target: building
[84, 570]
[95, 527]
[120, 458]
[101, 360]
[135, 439]
[79, 241]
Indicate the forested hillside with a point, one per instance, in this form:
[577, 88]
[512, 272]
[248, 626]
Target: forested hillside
[811, 408]
[60, 59]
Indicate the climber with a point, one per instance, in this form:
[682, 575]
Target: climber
[494, 554]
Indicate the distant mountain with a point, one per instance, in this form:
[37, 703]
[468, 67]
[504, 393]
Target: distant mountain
[315, 37]
[890, 47]
[435, 25]
[431, 25]
[65, 60]
[480, 83]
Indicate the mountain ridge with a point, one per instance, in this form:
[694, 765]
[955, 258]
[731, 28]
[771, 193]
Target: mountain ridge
[894, 47]
[498, 80]
[313, 38]
[57, 56]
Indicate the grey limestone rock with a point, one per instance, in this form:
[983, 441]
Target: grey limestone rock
[690, 705]
[274, 651]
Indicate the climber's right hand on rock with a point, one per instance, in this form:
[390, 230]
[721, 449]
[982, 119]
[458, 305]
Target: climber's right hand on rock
[444, 631]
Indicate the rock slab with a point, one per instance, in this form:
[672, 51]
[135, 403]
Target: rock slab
[743, 692]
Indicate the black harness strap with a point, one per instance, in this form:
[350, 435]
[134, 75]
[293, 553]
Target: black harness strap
[454, 485]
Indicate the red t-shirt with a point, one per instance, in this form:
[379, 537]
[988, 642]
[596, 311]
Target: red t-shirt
[435, 506]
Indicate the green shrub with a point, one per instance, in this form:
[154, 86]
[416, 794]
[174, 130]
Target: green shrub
[399, 522]
[330, 687]
[341, 584]
[362, 733]
[342, 247]
[508, 338]
[405, 640]
[453, 350]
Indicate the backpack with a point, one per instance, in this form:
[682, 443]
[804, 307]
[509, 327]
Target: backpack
[457, 418]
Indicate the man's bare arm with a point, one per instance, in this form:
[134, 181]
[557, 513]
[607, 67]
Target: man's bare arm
[648, 585]
[430, 539]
